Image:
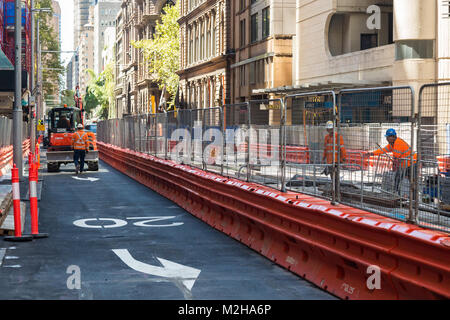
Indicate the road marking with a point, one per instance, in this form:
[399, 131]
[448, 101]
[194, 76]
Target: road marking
[117, 223]
[120, 223]
[86, 179]
[2, 254]
[170, 269]
[153, 219]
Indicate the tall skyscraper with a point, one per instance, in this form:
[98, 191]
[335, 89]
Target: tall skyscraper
[80, 17]
[105, 14]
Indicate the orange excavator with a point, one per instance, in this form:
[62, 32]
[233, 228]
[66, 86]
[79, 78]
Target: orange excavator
[62, 122]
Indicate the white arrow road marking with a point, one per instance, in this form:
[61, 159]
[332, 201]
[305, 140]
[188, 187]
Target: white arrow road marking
[86, 179]
[2, 254]
[169, 270]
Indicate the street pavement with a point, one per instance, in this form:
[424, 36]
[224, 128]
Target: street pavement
[113, 238]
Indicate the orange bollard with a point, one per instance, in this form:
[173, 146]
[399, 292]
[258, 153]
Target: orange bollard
[16, 206]
[33, 179]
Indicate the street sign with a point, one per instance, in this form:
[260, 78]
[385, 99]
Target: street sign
[40, 127]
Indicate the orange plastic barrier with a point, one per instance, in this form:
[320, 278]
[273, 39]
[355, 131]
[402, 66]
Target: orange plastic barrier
[6, 156]
[338, 248]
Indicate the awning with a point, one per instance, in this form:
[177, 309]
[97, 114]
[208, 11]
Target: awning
[320, 86]
[5, 64]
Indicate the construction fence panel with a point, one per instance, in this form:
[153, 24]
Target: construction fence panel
[264, 136]
[161, 134]
[433, 190]
[236, 127]
[5, 132]
[213, 139]
[382, 182]
[310, 165]
[180, 126]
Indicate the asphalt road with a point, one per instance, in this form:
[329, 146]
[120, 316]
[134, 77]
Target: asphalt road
[113, 238]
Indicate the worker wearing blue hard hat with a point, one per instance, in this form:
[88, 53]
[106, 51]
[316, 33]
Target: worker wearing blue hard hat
[401, 152]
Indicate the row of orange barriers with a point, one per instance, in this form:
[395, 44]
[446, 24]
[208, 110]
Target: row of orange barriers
[348, 252]
[6, 156]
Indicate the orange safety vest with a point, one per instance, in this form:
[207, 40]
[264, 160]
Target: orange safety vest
[401, 152]
[80, 140]
[328, 149]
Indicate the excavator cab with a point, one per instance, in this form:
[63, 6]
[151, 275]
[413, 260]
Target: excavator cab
[62, 123]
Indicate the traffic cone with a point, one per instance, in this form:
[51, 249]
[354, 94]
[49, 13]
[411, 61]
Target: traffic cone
[16, 206]
[33, 179]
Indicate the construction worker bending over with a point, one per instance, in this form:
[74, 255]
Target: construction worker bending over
[401, 152]
[80, 147]
[328, 151]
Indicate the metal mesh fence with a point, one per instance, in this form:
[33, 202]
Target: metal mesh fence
[236, 120]
[289, 144]
[309, 146]
[433, 192]
[265, 142]
[6, 127]
[5, 132]
[377, 171]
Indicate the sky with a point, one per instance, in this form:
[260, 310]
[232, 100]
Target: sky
[66, 29]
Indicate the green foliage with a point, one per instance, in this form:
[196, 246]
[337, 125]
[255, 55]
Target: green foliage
[100, 92]
[51, 79]
[67, 98]
[162, 52]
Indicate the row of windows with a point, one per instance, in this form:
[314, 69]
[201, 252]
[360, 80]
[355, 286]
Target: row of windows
[253, 73]
[202, 38]
[254, 24]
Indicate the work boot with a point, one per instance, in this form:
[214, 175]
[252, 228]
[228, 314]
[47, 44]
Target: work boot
[77, 169]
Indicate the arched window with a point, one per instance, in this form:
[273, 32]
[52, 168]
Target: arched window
[214, 34]
[202, 40]
[208, 37]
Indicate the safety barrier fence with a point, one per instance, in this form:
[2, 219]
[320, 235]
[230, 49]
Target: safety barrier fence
[351, 253]
[288, 145]
[6, 143]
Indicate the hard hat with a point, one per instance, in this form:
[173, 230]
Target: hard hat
[390, 132]
[329, 125]
[79, 126]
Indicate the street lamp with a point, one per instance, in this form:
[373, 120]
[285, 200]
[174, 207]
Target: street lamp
[39, 80]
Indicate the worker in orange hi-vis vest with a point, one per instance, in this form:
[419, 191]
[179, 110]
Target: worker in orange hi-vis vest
[401, 153]
[80, 147]
[329, 150]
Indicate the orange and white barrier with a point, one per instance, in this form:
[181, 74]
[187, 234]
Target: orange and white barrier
[337, 247]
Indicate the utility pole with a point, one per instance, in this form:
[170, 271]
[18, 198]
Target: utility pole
[32, 118]
[17, 111]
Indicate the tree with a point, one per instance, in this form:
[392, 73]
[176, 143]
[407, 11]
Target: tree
[51, 62]
[100, 92]
[67, 98]
[162, 52]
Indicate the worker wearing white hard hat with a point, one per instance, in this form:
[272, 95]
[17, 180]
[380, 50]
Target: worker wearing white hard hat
[332, 150]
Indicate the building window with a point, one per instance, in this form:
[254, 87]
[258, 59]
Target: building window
[254, 27]
[202, 41]
[414, 49]
[208, 37]
[241, 5]
[242, 75]
[251, 70]
[265, 22]
[369, 40]
[196, 44]
[242, 33]
[214, 36]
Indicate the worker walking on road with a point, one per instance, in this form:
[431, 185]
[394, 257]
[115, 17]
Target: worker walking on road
[328, 152]
[80, 147]
[401, 152]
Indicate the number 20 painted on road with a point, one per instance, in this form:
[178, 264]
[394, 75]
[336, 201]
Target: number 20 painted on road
[116, 223]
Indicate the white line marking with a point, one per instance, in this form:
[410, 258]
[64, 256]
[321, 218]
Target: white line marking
[169, 270]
